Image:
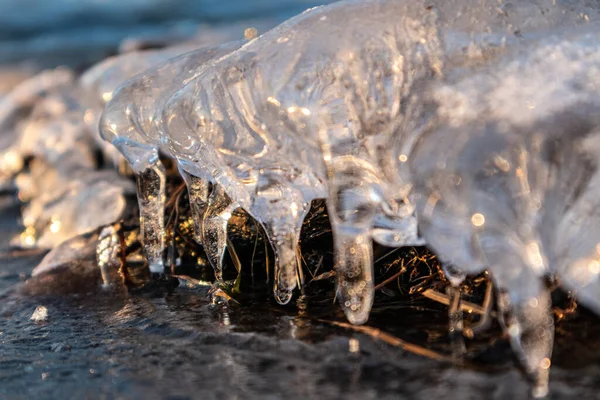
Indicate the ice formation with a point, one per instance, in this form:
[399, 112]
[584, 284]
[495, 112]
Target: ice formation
[507, 182]
[99, 83]
[23, 96]
[380, 106]
[347, 108]
[65, 203]
[246, 122]
[130, 123]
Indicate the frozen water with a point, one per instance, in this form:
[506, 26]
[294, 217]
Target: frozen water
[80, 265]
[336, 103]
[55, 133]
[261, 112]
[99, 83]
[42, 119]
[130, 123]
[110, 255]
[67, 253]
[346, 108]
[508, 182]
[330, 105]
[67, 205]
[23, 96]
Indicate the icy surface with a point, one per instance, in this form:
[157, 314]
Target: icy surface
[42, 121]
[64, 203]
[379, 106]
[130, 122]
[346, 109]
[508, 182]
[270, 122]
[24, 96]
[99, 83]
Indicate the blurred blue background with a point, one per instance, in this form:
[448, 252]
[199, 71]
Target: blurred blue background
[47, 33]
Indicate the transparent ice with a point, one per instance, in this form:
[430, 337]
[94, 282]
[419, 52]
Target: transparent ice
[131, 124]
[337, 103]
[335, 95]
[507, 181]
[99, 83]
[66, 204]
[24, 96]
[42, 120]
[261, 120]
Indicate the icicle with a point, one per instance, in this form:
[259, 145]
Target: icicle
[354, 271]
[455, 314]
[351, 211]
[110, 256]
[214, 227]
[198, 193]
[283, 231]
[530, 326]
[286, 266]
[151, 183]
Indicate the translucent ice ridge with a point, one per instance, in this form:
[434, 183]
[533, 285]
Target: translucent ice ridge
[322, 107]
[130, 122]
[265, 123]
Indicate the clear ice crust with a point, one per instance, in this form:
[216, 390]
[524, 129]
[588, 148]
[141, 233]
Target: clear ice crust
[317, 107]
[396, 112]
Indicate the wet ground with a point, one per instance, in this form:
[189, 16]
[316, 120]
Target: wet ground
[177, 345]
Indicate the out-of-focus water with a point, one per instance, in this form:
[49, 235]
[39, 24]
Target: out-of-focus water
[77, 32]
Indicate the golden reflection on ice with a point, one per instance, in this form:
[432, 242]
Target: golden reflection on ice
[534, 257]
[478, 220]
[55, 225]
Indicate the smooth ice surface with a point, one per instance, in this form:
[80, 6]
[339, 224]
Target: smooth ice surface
[99, 83]
[67, 254]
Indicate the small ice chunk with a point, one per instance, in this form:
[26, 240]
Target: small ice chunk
[62, 207]
[40, 314]
[80, 265]
[110, 257]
